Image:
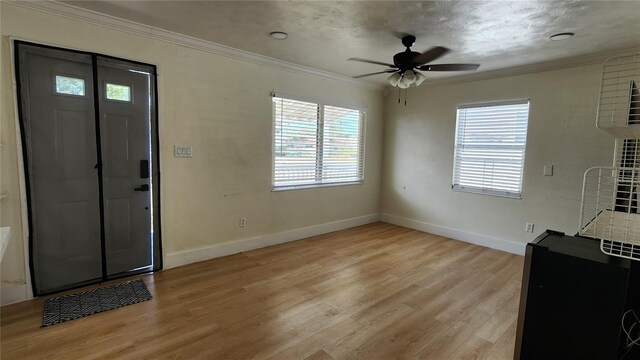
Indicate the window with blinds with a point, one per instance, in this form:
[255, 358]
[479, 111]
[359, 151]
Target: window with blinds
[316, 144]
[490, 147]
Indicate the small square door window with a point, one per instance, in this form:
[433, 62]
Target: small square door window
[118, 92]
[69, 86]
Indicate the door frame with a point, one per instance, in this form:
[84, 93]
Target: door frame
[25, 187]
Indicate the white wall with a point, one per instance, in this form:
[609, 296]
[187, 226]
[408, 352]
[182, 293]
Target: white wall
[222, 107]
[418, 157]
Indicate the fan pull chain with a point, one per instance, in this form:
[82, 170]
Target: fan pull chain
[405, 97]
[399, 95]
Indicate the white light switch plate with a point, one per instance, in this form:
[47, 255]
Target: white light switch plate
[185, 151]
[528, 227]
[548, 170]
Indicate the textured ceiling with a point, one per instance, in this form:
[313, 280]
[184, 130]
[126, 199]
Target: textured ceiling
[323, 34]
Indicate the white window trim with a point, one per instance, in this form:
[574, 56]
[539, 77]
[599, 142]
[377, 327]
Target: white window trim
[490, 191]
[313, 186]
[486, 191]
[321, 103]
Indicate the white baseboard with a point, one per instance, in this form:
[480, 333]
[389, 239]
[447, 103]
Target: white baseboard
[11, 294]
[233, 247]
[478, 239]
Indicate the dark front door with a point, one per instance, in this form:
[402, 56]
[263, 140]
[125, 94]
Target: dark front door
[92, 185]
[126, 153]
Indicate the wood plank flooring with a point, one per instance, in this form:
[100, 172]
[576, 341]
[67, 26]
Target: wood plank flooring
[377, 291]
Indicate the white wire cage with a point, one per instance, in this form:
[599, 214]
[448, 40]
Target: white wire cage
[610, 209]
[619, 103]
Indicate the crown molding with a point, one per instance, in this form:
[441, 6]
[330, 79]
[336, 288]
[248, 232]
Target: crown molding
[559, 64]
[95, 18]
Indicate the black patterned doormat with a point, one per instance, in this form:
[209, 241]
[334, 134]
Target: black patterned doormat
[71, 307]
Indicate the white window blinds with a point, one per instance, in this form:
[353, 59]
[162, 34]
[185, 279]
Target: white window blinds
[490, 148]
[316, 144]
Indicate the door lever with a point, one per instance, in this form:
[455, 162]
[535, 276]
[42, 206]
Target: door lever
[143, 187]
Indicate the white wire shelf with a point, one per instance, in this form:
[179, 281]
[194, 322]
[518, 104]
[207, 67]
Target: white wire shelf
[619, 103]
[610, 210]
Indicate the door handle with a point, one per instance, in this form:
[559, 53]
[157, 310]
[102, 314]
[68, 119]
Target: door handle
[143, 187]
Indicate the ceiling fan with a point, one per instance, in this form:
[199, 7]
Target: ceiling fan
[404, 70]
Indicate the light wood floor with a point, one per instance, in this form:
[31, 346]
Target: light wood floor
[373, 292]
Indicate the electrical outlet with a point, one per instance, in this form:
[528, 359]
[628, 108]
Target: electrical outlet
[243, 222]
[185, 151]
[529, 228]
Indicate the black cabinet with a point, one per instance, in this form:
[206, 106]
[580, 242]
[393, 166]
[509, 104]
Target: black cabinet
[573, 299]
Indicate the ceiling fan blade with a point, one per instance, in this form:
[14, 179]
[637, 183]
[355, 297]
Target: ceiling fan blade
[450, 67]
[375, 73]
[371, 62]
[430, 55]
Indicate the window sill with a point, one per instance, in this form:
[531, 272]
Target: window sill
[313, 186]
[489, 192]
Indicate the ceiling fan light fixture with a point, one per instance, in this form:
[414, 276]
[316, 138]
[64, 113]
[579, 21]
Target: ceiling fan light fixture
[405, 64]
[408, 77]
[403, 85]
[279, 35]
[419, 78]
[561, 36]
[394, 79]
